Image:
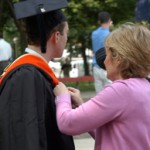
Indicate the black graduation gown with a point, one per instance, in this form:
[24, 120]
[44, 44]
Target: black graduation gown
[27, 113]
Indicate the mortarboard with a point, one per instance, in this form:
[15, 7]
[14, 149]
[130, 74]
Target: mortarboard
[100, 57]
[28, 8]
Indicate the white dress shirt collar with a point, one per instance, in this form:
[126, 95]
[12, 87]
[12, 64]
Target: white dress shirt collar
[30, 51]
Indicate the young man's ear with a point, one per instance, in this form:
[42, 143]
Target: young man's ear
[55, 36]
[99, 22]
[110, 23]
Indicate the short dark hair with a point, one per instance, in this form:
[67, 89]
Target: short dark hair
[53, 21]
[103, 17]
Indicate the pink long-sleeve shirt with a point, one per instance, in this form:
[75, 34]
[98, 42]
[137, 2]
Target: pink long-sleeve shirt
[120, 115]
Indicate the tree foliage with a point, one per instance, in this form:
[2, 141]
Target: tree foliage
[83, 15]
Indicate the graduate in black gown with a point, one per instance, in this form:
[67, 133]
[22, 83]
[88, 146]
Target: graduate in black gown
[27, 107]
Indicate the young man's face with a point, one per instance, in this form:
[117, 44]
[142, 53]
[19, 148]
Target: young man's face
[63, 38]
[57, 42]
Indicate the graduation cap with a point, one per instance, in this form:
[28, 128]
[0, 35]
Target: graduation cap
[28, 8]
[100, 57]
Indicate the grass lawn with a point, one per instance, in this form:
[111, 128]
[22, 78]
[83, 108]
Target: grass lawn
[82, 86]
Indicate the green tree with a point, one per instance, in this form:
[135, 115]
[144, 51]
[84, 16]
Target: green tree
[10, 26]
[82, 18]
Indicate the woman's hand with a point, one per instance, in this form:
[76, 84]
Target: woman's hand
[75, 97]
[60, 89]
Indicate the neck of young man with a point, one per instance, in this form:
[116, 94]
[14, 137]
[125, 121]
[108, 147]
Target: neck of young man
[105, 25]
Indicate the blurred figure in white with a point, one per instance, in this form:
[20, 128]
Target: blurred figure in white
[5, 53]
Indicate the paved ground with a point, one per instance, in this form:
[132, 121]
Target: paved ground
[87, 95]
[84, 141]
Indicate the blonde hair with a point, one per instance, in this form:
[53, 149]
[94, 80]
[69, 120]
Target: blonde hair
[131, 45]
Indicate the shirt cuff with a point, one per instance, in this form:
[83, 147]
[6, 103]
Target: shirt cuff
[63, 98]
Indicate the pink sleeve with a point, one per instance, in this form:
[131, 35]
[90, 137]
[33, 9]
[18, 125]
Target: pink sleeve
[94, 113]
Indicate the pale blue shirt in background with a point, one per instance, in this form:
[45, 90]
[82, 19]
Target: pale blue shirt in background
[98, 37]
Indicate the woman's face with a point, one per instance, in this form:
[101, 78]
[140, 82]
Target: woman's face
[113, 72]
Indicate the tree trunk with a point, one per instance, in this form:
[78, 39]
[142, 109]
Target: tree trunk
[1, 10]
[86, 66]
[23, 41]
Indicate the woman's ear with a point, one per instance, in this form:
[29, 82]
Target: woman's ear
[118, 60]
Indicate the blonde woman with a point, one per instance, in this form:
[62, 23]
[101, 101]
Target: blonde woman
[118, 117]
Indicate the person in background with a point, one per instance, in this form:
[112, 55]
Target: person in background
[27, 101]
[5, 53]
[98, 37]
[65, 68]
[118, 117]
